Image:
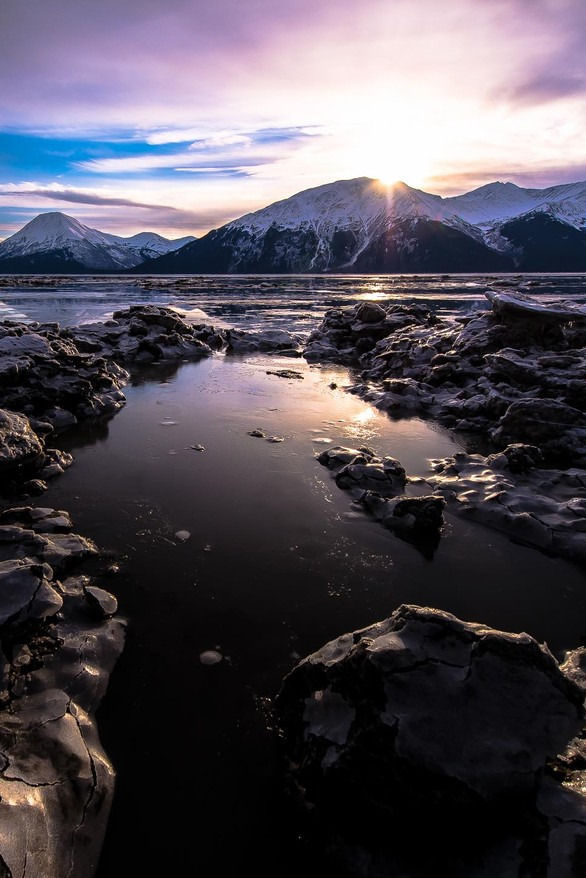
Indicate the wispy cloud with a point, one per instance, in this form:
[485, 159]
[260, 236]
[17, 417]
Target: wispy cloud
[545, 88]
[173, 161]
[55, 192]
[219, 153]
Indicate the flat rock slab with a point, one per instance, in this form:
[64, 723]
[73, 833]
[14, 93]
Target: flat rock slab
[519, 305]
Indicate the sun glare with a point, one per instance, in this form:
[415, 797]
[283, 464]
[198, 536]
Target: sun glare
[390, 152]
[391, 162]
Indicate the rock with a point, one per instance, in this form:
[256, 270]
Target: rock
[508, 491]
[39, 519]
[59, 418]
[574, 667]
[258, 434]
[30, 344]
[211, 657]
[542, 422]
[266, 341]
[386, 477]
[515, 377]
[379, 486]
[102, 602]
[64, 549]
[348, 333]
[416, 516]
[369, 312]
[286, 373]
[564, 813]
[56, 783]
[340, 456]
[517, 458]
[424, 711]
[25, 591]
[18, 443]
[33, 487]
[68, 375]
[520, 306]
[483, 373]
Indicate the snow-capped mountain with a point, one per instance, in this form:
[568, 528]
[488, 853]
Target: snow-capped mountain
[497, 202]
[362, 225]
[149, 244]
[357, 225]
[57, 242]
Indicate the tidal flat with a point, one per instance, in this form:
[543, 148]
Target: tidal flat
[233, 556]
[278, 561]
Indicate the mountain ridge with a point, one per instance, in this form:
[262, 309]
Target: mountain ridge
[356, 225]
[362, 225]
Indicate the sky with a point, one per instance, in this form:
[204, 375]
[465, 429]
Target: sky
[177, 116]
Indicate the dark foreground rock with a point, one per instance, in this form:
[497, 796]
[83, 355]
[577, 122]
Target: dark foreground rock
[19, 444]
[25, 461]
[56, 654]
[426, 727]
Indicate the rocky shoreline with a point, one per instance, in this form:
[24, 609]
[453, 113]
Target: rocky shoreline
[59, 633]
[514, 377]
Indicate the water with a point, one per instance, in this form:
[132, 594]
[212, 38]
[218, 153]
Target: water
[294, 302]
[277, 563]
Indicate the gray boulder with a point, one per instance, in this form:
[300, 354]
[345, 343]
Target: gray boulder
[425, 710]
[19, 444]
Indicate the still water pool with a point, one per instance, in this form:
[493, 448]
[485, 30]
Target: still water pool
[278, 561]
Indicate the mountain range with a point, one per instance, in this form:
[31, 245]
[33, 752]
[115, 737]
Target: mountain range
[54, 242]
[355, 226]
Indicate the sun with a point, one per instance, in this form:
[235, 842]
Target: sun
[391, 162]
[390, 153]
[388, 177]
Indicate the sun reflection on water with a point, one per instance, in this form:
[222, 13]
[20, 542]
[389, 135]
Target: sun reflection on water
[372, 296]
[361, 425]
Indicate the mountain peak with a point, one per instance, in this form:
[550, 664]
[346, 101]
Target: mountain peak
[79, 246]
[52, 227]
